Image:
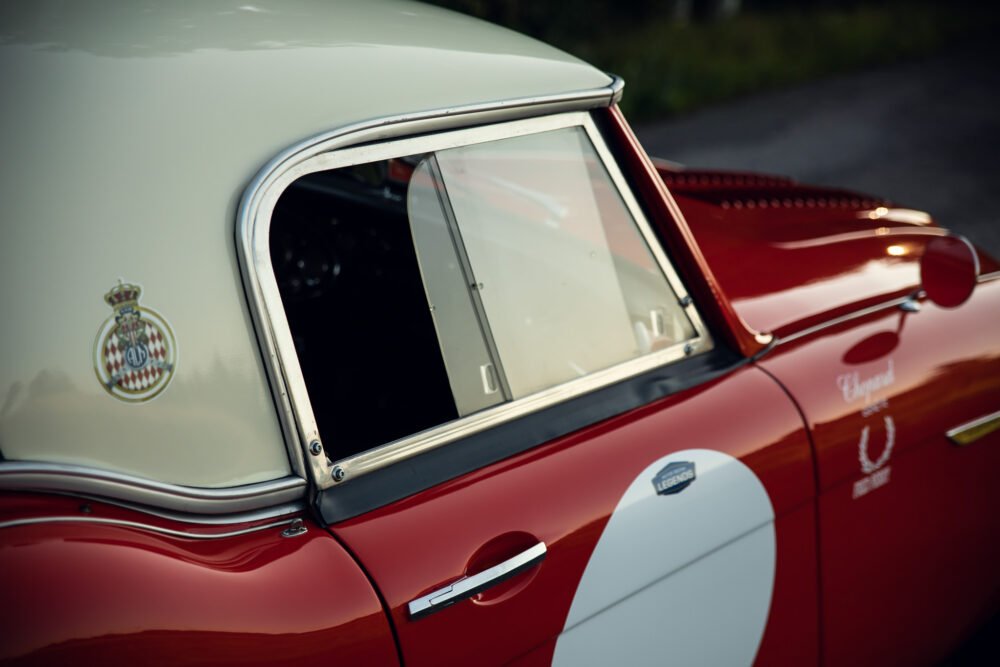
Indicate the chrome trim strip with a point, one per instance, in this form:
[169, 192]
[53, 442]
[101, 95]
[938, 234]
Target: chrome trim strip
[970, 432]
[142, 526]
[269, 309]
[975, 253]
[466, 587]
[203, 519]
[987, 277]
[287, 385]
[885, 305]
[65, 478]
[668, 164]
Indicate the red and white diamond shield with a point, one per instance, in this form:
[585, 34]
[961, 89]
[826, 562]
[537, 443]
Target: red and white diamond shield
[144, 374]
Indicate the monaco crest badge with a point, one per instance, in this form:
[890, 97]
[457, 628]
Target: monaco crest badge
[135, 353]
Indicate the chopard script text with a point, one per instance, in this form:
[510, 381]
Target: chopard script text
[855, 388]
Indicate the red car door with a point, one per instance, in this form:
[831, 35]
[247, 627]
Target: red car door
[709, 574]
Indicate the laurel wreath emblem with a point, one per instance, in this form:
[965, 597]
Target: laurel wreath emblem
[867, 465]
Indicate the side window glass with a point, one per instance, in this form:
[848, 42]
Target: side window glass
[567, 285]
[454, 301]
[432, 286]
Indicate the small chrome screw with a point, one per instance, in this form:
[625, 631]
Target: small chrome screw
[315, 448]
[338, 474]
[686, 301]
[688, 348]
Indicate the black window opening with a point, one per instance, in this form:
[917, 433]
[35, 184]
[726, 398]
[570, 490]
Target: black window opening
[349, 279]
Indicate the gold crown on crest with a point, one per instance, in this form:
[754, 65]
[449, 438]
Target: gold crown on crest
[123, 294]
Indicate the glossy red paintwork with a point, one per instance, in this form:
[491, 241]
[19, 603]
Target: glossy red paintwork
[908, 551]
[806, 265]
[789, 256]
[89, 593]
[563, 493]
[792, 633]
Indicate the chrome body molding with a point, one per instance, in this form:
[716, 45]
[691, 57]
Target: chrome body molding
[64, 478]
[252, 516]
[356, 144]
[144, 526]
[904, 302]
[970, 432]
[987, 277]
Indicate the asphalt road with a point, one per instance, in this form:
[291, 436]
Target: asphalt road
[924, 134]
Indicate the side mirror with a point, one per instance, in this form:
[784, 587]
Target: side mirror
[949, 270]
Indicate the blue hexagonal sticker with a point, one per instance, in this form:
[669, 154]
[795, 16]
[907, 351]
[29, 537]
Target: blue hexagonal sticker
[674, 478]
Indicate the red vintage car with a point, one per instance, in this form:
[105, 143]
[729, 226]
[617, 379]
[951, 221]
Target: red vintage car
[371, 335]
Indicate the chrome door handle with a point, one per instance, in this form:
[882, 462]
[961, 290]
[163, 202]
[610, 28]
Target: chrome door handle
[466, 587]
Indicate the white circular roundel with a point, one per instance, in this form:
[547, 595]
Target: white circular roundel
[678, 576]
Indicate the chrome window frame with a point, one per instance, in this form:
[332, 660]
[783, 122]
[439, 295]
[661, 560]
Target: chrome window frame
[378, 140]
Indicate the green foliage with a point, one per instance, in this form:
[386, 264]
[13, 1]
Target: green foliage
[671, 67]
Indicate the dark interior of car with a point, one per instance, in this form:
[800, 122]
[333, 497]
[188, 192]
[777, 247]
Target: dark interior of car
[348, 275]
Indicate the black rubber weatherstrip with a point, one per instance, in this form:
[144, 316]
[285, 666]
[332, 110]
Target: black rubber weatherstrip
[457, 458]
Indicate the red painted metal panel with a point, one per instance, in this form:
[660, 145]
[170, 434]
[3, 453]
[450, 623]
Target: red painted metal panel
[785, 270]
[89, 593]
[792, 634]
[800, 255]
[563, 493]
[909, 528]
